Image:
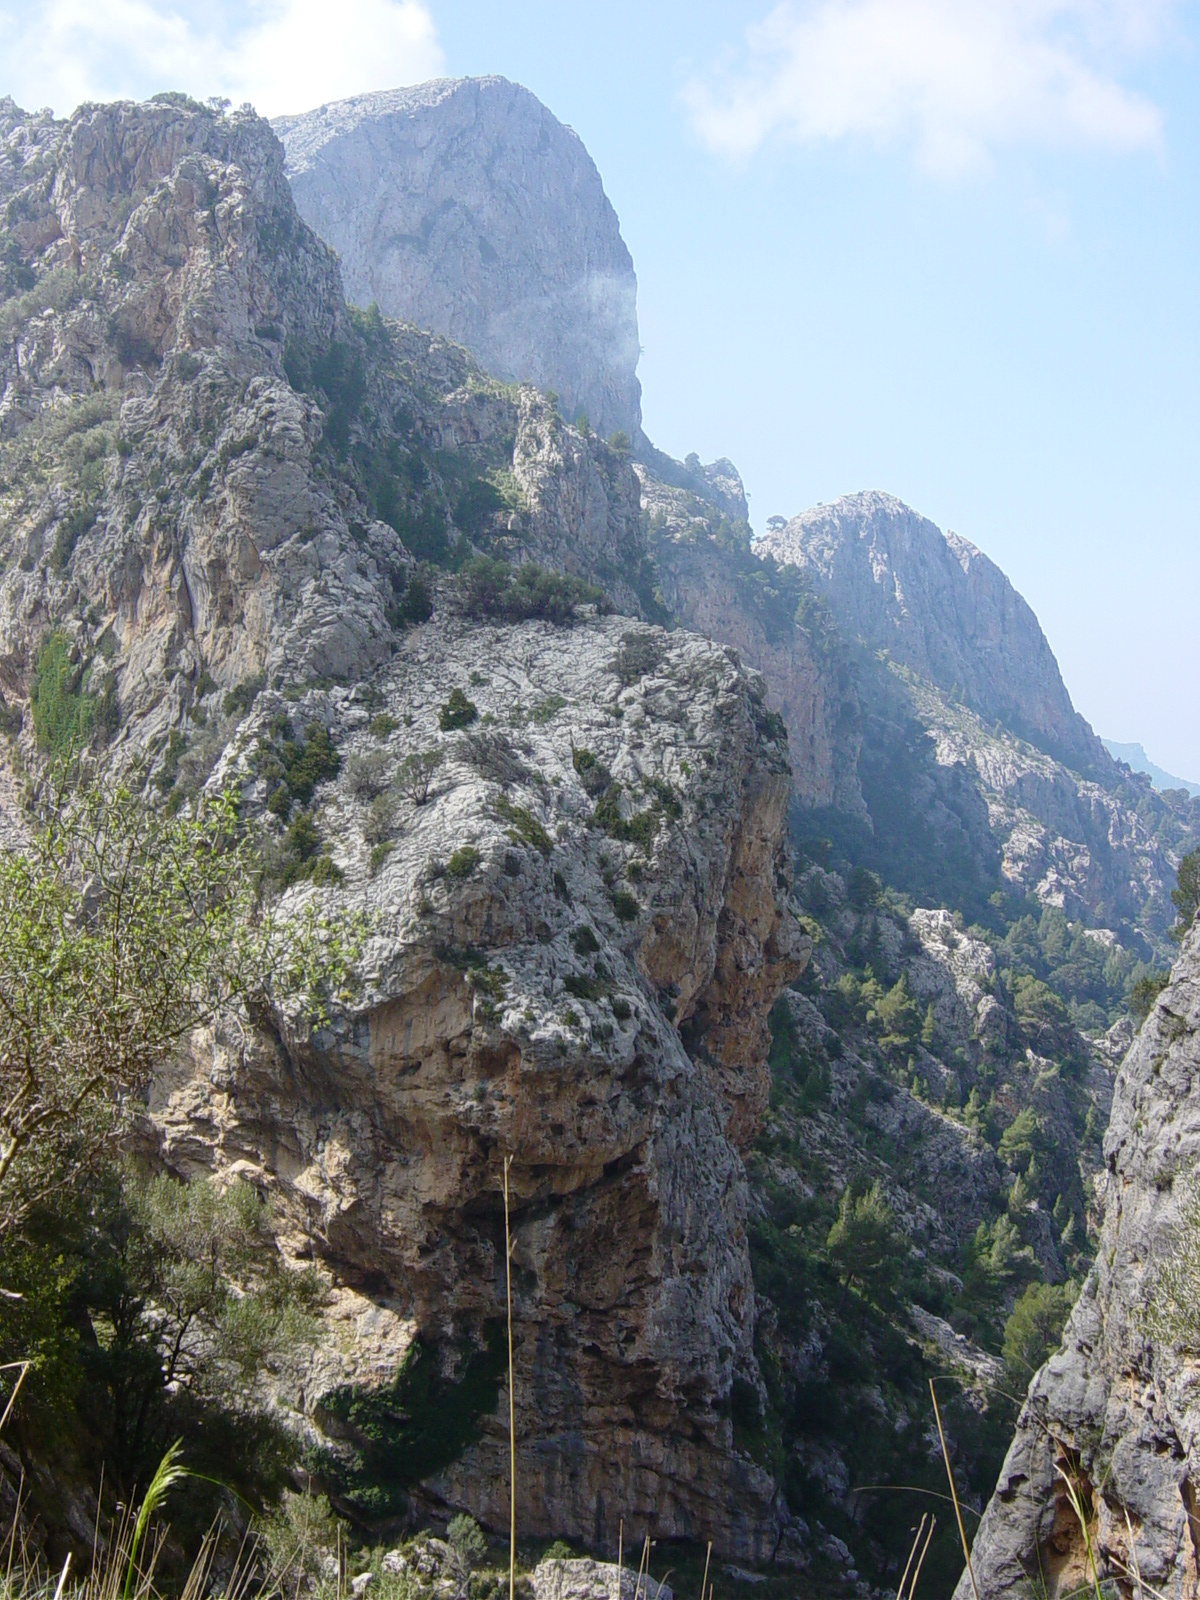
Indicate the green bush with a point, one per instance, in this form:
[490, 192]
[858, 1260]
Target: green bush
[458, 712]
[524, 827]
[465, 1534]
[492, 589]
[1145, 992]
[463, 862]
[63, 711]
[1035, 1327]
[1186, 895]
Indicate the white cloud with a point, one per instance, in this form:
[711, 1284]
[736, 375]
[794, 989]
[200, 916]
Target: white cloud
[282, 55]
[957, 79]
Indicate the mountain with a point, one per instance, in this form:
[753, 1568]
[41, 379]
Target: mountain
[1112, 1413]
[983, 784]
[937, 605]
[234, 516]
[1135, 757]
[465, 207]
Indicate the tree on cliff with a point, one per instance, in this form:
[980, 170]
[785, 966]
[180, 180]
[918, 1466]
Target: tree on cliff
[1186, 894]
[121, 930]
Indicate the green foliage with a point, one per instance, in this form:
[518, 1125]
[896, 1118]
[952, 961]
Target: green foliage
[894, 1017]
[524, 827]
[584, 941]
[242, 696]
[625, 905]
[863, 889]
[1145, 992]
[125, 928]
[1035, 1327]
[414, 606]
[864, 1244]
[408, 1429]
[64, 713]
[415, 774]
[1173, 1314]
[593, 774]
[463, 862]
[465, 1534]
[559, 1550]
[294, 766]
[1185, 896]
[641, 827]
[458, 712]
[382, 725]
[493, 589]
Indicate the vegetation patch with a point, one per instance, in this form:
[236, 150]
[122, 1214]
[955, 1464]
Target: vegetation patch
[524, 827]
[411, 1428]
[492, 589]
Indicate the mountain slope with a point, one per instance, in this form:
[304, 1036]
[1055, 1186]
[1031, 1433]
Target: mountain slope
[239, 533]
[980, 778]
[464, 206]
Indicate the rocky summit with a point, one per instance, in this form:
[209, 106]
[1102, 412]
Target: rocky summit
[465, 206]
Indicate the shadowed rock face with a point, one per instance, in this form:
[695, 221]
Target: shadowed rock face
[1116, 1410]
[937, 605]
[464, 206]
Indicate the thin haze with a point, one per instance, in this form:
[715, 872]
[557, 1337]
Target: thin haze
[948, 248]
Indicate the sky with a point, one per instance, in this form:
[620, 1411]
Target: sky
[946, 248]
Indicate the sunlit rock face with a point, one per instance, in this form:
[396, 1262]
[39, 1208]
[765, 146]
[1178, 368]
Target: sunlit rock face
[1115, 1409]
[466, 207]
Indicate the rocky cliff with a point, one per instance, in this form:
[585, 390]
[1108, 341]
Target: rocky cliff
[980, 778]
[936, 604]
[464, 206]
[231, 511]
[1112, 1417]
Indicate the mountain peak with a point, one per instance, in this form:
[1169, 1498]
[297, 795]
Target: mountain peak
[938, 605]
[465, 206]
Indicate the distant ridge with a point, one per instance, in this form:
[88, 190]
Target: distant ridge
[1133, 755]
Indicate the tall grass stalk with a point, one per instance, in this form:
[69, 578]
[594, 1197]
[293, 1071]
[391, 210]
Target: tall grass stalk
[704, 1579]
[962, 1532]
[512, 1409]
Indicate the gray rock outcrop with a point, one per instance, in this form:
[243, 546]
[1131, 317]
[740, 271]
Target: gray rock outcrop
[1116, 1412]
[215, 483]
[936, 604]
[466, 207]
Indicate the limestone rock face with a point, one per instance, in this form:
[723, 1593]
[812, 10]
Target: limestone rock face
[216, 485]
[938, 605]
[1114, 1409]
[713, 583]
[464, 206]
[533, 1000]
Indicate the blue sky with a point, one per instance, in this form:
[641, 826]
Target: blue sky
[948, 248]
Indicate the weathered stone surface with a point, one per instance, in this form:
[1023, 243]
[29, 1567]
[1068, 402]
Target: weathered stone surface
[204, 521]
[594, 1580]
[465, 206]
[384, 1138]
[1115, 1409]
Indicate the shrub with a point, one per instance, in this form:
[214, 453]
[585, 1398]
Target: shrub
[382, 725]
[414, 606]
[63, 712]
[242, 696]
[638, 654]
[1145, 992]
[366, 775]
[415, 773]
[493, 589]
[863, 889]
[379, 854]
[458, 712]
[625, 905]
[1186, 895]
[1035, 1327]
[585, 941]
[524, 826]
[465, 1534]
[591, 771]
[463, 862]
